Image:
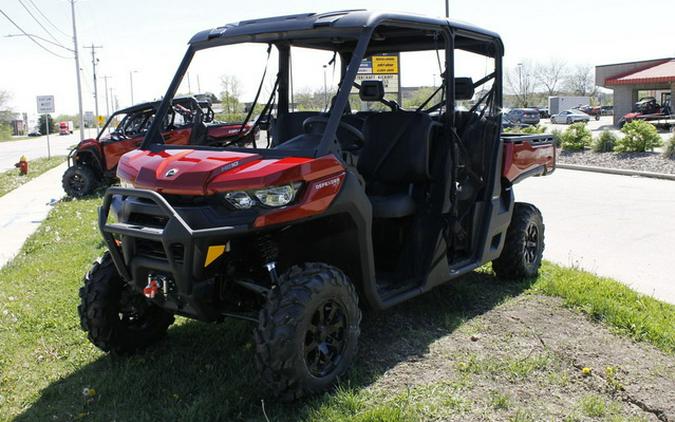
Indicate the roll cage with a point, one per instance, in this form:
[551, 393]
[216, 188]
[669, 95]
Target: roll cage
[354, 34]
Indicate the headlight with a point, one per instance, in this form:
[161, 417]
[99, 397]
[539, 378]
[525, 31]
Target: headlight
[275, 196]
[240, 200]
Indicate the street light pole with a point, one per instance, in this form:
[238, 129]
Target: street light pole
[131, 84]
[447, 8]
[107, 104]
[520, 84]
[77, 70]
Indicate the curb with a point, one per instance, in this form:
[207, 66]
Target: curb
[621, 172]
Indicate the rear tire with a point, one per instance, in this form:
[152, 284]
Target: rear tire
[523, 246]
[116, 318]
[79, 181]
[307, 331]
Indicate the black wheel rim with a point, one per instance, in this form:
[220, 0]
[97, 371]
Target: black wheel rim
[325, 339]
[133, 311]
[76, 183]
[531, 247]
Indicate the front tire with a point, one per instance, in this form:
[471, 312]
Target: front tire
[79, 181]
[523, 246]
[308, 331]
[116, 318]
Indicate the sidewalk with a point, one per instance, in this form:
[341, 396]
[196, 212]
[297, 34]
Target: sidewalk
[23, 210]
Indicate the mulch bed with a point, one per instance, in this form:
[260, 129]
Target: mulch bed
[640, 161]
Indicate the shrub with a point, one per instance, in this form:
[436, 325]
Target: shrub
[605, 142]
[533, 130]
[639, 136]
[5, 131]
[556, 134]
[669, 151]
[576, 137]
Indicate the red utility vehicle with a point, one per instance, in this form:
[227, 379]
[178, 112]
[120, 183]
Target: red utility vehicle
[340, 210]
[93, 162]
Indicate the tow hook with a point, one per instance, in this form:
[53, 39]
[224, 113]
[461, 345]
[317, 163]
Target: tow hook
[155, 284]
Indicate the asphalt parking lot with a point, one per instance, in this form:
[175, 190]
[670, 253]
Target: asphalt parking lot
[615, 226]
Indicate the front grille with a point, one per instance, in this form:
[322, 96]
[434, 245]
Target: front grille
[153, 249]
[147, 220]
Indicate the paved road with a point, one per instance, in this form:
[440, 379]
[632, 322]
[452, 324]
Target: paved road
[616, 226]
[33, 148]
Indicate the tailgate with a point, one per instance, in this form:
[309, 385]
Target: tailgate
[527, 155]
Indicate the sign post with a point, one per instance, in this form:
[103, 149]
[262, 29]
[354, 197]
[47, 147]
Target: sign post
[45, 105]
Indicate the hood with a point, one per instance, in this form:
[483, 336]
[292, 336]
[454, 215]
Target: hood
[206, 172]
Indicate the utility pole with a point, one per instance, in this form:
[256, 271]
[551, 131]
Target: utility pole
[107, 104]
[77, 70]
[93, 64]
[188, 81]
[199, 86]
[447, 8]
[131, 84]
[325, 89]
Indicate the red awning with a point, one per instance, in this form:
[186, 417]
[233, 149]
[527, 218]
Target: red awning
[662, 72]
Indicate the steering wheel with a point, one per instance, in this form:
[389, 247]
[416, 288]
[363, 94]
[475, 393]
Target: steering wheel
[361, 140]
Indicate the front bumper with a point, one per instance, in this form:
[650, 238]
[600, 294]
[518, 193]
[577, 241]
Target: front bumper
[164, 242]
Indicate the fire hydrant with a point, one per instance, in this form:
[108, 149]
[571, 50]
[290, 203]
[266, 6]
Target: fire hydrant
[22, 165]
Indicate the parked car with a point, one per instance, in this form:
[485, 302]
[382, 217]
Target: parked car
[508, 124]
[570, 116]
[593, 111]
[544, 112]
[529, 116]
[34, 133]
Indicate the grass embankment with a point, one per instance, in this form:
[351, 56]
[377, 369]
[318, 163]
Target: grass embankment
[206, 372]
[12, 179]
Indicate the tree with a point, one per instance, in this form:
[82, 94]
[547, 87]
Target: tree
[42, 124]
[550, 75]
[5, 111]
[520, 81]
[231, 93]
[581, 81]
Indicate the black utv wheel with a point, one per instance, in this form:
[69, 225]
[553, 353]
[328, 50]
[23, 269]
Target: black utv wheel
[308, 331]
[524, 244]
[115, 318]
[79, 181]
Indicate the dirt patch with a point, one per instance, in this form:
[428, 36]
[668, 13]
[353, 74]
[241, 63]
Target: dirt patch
[524, 360]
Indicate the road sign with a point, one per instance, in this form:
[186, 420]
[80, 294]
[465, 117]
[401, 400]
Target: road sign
[45, 104]
[385, 64]
[100, 120]
[381, 67]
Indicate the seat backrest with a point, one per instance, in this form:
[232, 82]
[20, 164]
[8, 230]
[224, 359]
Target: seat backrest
[290, 126]
[407, 160]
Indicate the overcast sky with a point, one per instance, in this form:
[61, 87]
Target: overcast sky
[150, 37]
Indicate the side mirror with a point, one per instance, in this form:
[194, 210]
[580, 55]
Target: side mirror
[464, 88]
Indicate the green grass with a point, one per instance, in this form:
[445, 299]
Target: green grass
[206, 372]
[640, 317]
[12, 179]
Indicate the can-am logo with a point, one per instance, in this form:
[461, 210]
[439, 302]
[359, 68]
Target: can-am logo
[171, 172]
[331, 182]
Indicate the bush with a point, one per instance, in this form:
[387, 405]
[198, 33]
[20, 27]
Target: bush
[5, 131]
[605, 142]
[669, 151]
[576, 137]
[556, 134]
[640, 136]
[527, 130]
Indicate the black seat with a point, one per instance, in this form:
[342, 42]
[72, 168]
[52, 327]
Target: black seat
[395, 156]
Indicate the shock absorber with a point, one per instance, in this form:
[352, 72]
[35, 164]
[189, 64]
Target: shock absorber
[269, 252]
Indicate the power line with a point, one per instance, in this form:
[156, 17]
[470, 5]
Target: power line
[41, 39]
[47, 19]
[31, 37]
[36, 20]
